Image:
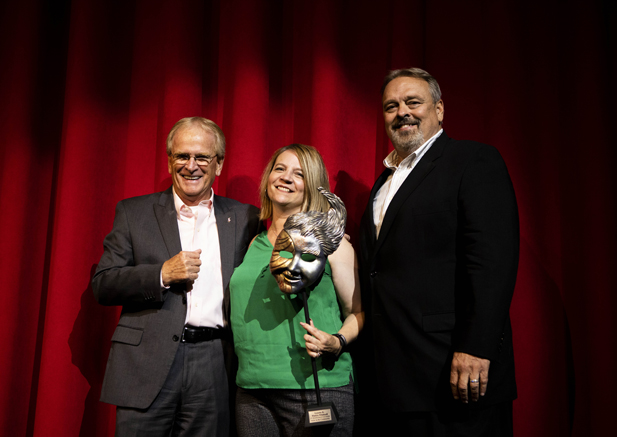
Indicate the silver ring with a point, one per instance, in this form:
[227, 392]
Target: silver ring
[474, 381]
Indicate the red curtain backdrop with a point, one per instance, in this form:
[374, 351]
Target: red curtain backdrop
[90, 89]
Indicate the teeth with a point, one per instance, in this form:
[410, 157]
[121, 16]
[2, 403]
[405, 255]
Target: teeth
[284, 189]
[191, 178]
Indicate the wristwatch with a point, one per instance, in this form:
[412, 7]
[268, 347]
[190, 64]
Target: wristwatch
[343, 341]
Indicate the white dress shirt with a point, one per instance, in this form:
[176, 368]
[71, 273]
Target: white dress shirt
[395, 180]
[197, 226]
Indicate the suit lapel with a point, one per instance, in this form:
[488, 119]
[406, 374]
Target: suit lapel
[369, 215]
[226, 227]
[413, 181]
[165, 212]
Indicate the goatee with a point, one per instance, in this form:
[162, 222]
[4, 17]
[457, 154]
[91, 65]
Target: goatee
[407, 142]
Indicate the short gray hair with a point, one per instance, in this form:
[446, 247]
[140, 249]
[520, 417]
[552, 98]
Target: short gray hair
[206, 125]
[417, 73]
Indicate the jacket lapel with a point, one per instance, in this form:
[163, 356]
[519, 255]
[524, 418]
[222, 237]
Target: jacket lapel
[413, 181]
[226, 227]
[369, 215]
[165, 213]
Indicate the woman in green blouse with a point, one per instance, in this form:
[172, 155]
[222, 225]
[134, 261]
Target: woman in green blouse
[273, 344]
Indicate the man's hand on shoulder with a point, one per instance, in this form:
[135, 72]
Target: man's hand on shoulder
[183, 267]
[468, 376]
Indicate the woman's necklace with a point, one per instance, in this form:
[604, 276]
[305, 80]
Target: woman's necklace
[273, 231]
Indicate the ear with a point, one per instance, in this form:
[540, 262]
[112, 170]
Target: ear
[219, 166]
[169, 164]
[439, 108]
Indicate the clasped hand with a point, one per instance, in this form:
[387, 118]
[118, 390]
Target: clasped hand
[183, 267]
[318, 341]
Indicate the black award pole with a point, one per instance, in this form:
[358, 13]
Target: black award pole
[324, 412]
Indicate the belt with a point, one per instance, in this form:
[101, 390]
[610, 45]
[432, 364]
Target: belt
[193, 334]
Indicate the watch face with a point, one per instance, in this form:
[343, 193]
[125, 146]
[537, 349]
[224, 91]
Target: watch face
[297, 261]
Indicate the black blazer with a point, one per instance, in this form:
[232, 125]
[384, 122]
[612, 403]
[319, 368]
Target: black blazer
[144, 236]
[440, 277]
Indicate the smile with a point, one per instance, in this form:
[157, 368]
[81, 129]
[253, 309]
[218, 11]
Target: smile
[406, 126]
[191, 178]
[291, 278]
[284, 189]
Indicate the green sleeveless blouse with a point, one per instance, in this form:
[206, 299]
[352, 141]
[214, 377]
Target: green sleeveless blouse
[265, 323]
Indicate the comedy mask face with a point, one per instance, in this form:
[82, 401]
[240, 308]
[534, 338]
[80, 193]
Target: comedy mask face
[297, 261]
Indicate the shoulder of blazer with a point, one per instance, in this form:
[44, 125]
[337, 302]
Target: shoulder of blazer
[451, 146]
[162, 198]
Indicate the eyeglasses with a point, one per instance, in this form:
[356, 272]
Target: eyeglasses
[184, 158]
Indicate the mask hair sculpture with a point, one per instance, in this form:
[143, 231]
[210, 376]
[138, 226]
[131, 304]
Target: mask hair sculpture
[310, 237]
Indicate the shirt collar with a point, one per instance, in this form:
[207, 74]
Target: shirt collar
[392, 158]
[181, 206]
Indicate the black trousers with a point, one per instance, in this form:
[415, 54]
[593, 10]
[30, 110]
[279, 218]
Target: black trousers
[194, 400]
[467, 421]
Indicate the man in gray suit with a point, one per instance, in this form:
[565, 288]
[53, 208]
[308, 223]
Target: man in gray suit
[167, 262]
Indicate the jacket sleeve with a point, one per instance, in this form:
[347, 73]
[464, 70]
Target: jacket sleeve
[117, 280]
[487, 254]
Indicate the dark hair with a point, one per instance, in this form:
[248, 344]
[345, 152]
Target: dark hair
[417, 73]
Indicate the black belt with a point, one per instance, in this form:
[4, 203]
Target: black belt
[193, 334]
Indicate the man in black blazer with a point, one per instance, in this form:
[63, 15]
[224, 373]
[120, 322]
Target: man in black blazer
[167, 262]
[438, 257]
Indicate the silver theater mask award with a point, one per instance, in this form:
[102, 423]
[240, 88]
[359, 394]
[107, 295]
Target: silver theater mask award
[298, 261]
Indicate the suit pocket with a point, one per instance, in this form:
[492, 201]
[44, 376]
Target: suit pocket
[126, 335]
[438, 322]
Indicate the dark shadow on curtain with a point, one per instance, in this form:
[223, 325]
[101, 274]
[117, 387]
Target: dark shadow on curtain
[90, 343]
[355, 195]
[46, 120]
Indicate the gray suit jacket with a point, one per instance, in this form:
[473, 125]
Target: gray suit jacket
[145, 235]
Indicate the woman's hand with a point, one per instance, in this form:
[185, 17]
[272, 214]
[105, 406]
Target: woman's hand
[318, 342]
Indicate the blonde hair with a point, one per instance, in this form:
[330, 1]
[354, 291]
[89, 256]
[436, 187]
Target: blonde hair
[206, 125]
[315, 176]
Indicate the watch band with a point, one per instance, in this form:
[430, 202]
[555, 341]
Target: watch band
[342, 339]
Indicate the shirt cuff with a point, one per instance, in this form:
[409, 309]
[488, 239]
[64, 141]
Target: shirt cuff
[163, 285]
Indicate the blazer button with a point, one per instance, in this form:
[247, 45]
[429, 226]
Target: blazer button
[175, 338]
[373, 274]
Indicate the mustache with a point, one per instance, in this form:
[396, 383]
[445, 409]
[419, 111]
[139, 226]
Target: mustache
[405, 122]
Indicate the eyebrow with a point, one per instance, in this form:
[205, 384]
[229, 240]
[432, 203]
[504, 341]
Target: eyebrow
[387, 102]
[196, 154]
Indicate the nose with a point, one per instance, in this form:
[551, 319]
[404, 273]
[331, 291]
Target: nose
[191, 165]
[287, 176]
[403, 111]
[293, 267]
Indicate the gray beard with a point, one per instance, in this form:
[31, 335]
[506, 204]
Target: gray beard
[407, 143]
